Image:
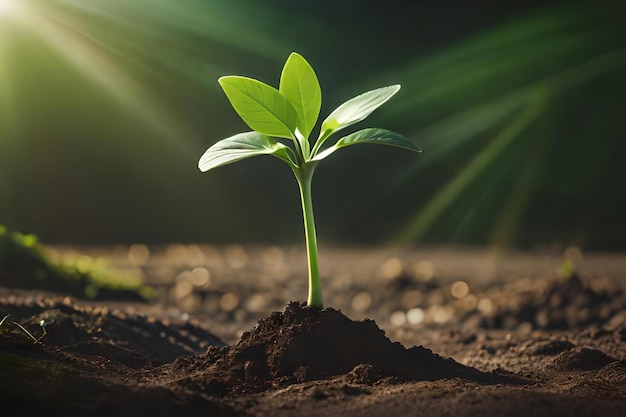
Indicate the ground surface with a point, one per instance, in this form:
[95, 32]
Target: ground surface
[432, 331]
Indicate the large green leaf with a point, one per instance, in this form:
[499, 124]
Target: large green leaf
[242, 146]
[261, 106]
[370, 135]
[299, 84]
[354, 110]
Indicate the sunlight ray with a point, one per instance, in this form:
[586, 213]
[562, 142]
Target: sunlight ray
[507, 221]
[184, 28]
[9, 124]
[420, 223]
[8, 115]
[113, 42]
[220, 20]
[84, 55]
[8, 7]
[464, 126]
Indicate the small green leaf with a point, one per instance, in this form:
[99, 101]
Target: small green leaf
[242, 146]
[299, 84]
[370, 135]
[261, 106]
[354, 110]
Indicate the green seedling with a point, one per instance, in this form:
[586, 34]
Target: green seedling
[291, 112]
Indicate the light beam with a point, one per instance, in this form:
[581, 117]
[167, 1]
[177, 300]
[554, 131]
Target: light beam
[8, 8]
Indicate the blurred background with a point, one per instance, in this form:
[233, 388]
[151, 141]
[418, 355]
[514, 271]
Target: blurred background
[519, 107]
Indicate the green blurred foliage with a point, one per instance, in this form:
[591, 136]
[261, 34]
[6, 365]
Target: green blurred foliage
[106, 107]
[25, 264]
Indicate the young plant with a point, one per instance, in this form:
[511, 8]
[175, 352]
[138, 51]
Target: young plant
[291, 112]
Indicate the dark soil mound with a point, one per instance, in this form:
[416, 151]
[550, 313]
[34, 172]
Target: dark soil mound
[307, 344]
[582, 359]
[133, 339]
[570, 303]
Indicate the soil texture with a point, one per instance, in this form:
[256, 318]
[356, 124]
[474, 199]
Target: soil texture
[413, 340]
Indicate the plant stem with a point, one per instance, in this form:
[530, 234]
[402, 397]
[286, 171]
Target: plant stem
[304, 177]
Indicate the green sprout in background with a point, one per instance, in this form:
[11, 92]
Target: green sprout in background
[291, 112]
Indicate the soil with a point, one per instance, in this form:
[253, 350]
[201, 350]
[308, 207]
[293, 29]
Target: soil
[433, 332]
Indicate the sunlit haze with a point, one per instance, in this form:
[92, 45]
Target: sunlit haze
[7, 7]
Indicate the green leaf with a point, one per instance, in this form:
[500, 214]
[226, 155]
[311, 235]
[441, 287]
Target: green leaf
[242, 146]
[370, 135]
[261, 106]
[299, 84]
[354, 110]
